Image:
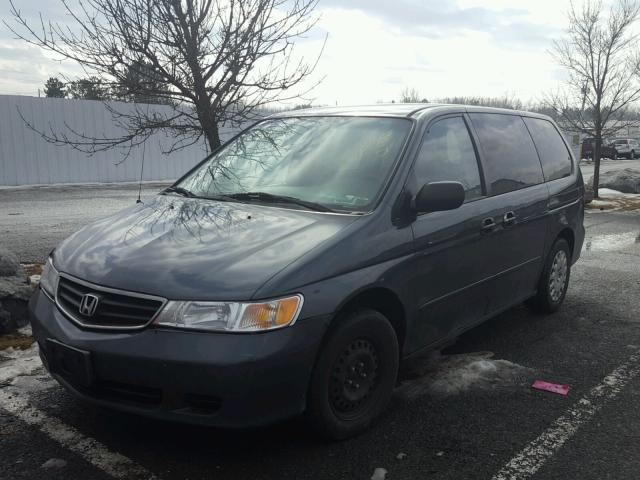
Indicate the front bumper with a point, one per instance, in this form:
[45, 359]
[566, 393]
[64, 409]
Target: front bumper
[227, 380]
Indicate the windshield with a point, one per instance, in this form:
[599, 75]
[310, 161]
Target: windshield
[620, 142]
[339, 162]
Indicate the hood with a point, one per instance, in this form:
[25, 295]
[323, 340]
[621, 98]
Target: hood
[181, 248]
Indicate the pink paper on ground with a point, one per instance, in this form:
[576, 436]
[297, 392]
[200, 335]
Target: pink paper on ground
[551, 387]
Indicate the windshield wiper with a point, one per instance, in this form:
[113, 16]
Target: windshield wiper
[188, 193]
[271, 198]
[221, 197]
[179, 190]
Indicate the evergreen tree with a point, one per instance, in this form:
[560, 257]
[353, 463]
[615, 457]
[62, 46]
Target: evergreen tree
[54, 88]
[92, 88]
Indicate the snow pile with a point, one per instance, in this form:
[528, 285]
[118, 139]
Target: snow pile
[626, 180]
[15, 362]
[453, 374]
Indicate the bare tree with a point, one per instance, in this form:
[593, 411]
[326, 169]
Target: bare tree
[602, 62]
[411, 95]
[507, 101]
[213, 62]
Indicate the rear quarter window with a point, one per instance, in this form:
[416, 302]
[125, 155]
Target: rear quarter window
[510, 159]
[554, 155]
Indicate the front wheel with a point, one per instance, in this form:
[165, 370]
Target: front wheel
[553, 283]
[354, 375]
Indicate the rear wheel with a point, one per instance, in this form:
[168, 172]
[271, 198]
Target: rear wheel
[632, 155]
[553, 283]
[354, 375]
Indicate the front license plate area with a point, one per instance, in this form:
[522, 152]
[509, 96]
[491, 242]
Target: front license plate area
[71, 363]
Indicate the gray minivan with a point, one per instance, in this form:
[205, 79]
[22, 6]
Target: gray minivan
[293, 269]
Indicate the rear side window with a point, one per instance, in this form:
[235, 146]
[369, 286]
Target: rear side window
[510, 158]
[447, 154]
[554, 156]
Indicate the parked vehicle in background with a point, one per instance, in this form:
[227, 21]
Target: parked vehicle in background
[292, 270]
[607, 150]
[627, 147]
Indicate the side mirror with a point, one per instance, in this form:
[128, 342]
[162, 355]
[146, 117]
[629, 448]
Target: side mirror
[439, 196]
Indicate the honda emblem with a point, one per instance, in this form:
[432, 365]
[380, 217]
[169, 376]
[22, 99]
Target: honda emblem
[88, 304]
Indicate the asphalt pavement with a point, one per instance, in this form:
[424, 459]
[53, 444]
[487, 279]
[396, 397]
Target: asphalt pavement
[33, 220]
[468, 413]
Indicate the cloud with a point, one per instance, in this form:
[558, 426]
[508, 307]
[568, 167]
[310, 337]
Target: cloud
[445, 19]
[24, 68]
[375, 48]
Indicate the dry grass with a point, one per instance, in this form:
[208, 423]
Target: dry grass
[16, 340]
[618, 204]
[32, 268]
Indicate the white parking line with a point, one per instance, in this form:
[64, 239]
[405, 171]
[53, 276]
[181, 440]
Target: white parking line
[534, 455]
[112, 463]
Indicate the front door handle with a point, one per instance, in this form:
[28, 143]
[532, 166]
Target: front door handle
[509, 218]
[488, 224]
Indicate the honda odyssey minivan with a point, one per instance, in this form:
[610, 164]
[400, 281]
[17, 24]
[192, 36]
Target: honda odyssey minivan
[292, 270]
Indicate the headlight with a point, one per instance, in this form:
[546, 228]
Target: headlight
[49, 278]
[231, 316]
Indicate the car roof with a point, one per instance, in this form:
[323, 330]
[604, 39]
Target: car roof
[379, 110]
[403, 110]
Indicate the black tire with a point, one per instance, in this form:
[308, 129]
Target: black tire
[632, 155]
[549, 298]
[354, 375]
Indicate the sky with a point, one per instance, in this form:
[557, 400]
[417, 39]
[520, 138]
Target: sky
[376, 48]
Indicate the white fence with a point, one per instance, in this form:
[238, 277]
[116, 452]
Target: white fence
[27, 159]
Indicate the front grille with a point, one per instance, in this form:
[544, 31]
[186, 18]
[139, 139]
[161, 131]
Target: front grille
[115, 309]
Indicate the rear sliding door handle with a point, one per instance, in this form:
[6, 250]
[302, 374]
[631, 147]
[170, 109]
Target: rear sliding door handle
[488, 224]
[509, 218]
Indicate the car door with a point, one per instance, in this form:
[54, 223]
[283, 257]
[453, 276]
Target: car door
[455, 253]
[518, 204]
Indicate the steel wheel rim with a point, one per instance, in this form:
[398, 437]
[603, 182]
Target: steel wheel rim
[354, 378]
[558, 275]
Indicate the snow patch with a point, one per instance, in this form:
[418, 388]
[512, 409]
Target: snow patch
[54, 463]
[26, 331]
[35, 382]
[446, 375]
[379, 474]
[609, 192]
[15, 362]
[611, 241]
